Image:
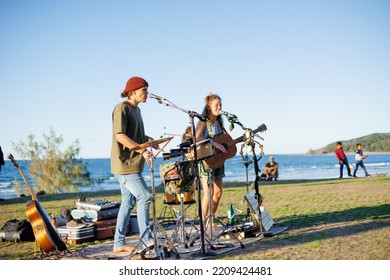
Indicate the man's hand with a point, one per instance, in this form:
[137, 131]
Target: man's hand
[146, 155]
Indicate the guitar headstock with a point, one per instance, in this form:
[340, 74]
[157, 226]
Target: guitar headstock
[12, 159]
[261, 128]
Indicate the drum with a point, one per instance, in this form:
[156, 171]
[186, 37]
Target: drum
[177, 177]
[170, 198]
[204, 150]
[189, 196]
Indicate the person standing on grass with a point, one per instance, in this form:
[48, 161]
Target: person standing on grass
[359, 157]
[127, 166]
[342, 158]
[211, 129]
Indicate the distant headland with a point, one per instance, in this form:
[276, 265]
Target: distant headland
[372, 143]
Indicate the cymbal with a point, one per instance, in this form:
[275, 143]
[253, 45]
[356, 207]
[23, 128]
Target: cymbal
[151, 143]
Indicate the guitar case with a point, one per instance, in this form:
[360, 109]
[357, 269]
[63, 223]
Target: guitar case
[76, 235]
[17, 231]
[105, 229]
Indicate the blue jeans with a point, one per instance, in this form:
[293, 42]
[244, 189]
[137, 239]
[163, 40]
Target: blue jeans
[346, 163]
[360, 163]
[134, 190]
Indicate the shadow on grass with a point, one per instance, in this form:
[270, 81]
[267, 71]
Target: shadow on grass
[348, 215]
[362, 219]
[302, 181]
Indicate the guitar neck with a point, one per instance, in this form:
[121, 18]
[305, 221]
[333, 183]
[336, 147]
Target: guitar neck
[12, 159]
[235, 141]
[32, 193]
[241, 138]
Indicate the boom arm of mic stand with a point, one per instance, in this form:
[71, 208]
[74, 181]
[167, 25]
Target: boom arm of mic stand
[168, 103]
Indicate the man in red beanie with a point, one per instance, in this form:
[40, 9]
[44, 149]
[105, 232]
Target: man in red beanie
[127, 166]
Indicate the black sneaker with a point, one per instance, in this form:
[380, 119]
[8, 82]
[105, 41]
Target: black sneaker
[368, 175]
[354, 176]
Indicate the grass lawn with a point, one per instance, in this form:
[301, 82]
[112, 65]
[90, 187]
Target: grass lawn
[333, 219]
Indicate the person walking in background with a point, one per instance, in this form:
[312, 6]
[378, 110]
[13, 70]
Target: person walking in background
[359, 157]
[127, 166]
[342, 158]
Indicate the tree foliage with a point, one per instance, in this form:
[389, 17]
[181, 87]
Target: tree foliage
[53, 170]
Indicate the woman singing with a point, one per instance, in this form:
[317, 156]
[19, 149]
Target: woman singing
[211, 130]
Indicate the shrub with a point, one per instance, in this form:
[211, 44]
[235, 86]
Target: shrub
[53, 170]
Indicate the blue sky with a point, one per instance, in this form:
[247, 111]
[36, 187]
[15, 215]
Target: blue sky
[313, 71]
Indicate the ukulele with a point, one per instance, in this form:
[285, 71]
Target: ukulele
[45, 233]
[230, 145]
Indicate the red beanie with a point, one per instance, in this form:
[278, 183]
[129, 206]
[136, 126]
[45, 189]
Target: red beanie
[135, 83]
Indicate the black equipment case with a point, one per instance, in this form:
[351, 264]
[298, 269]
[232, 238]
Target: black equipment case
[17, 230]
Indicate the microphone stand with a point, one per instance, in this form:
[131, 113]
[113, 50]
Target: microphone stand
[247, 162]
[192, 115]
[252, 143]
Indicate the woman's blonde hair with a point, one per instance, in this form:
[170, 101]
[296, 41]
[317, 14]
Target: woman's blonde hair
[211, 97]
[207, 100]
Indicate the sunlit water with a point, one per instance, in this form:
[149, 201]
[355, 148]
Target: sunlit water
[290, 167]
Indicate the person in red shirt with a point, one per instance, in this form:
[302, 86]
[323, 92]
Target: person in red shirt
[342, 158]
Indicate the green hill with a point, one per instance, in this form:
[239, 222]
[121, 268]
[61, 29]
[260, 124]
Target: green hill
[374, 143]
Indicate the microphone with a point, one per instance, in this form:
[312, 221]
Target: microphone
[230, 117]
[159, 98]
[227, 114]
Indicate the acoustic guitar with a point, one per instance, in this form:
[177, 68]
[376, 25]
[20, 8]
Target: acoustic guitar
[230, 145]
[45, 234]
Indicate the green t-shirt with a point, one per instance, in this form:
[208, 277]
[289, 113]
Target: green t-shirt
[127, 119]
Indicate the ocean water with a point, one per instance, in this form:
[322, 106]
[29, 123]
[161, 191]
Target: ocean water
[290, 167]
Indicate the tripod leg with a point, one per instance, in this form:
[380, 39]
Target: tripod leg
[141, 243]
[232, 236]
[167, 240]
[179, 235]
[182, 221]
